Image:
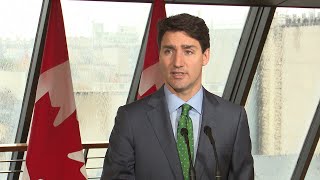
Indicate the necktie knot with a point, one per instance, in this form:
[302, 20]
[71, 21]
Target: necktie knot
[185, 109]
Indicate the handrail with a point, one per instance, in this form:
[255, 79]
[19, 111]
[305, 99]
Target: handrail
[13, 147]
[24, 146]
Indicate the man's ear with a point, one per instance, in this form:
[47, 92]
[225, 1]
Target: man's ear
[205, 57]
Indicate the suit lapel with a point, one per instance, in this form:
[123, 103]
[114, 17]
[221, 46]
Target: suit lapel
[205, 151]
[160, 121]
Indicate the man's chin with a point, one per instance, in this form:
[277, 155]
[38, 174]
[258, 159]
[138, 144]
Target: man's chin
[178, 89]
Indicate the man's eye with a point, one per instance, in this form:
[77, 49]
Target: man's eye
[167, 51]
[189, 52]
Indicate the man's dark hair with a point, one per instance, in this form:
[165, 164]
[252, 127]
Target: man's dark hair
[194, 26]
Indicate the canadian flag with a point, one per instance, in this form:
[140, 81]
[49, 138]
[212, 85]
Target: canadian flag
[54, 146]
[150, 79]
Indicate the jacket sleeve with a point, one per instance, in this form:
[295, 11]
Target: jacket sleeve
[242, 160]
[119, 160]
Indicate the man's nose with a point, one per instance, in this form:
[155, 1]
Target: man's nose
[178, 59]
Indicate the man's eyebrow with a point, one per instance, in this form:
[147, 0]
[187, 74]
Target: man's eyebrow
[168, 46]
[188, 46]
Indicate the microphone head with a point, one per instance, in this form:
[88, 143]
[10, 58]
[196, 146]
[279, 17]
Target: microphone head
[184, 131]
[207, 130]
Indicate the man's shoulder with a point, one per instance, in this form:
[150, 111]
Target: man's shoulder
[144, 103]
[219, 101]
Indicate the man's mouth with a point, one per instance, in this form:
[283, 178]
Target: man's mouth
[177, 75]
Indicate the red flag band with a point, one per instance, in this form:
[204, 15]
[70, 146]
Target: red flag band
[54, 147]
[150, 79]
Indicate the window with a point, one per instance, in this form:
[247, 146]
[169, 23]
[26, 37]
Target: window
[19, 22]
[285, 92]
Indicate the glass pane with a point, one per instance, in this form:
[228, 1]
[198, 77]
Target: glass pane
[225, 30]
[314, 168]
[19, 22]
[285, 92]
[104, 40]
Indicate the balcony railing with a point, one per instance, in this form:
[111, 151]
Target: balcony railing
[23, 147]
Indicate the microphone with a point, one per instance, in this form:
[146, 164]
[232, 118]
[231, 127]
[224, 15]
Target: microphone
[192, 171]
[207, 131]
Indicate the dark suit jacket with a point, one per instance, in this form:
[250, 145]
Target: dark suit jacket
[143, 147]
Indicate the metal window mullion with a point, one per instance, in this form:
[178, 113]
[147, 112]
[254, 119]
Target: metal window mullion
[31, 86]
[139, 67]
[308, 148]
[248, 54]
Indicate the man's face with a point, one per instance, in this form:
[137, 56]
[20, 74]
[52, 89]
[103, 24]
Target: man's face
[181, 60]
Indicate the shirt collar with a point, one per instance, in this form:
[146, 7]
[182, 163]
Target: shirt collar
[174, 102]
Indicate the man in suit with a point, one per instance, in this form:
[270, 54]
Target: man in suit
[145, 143]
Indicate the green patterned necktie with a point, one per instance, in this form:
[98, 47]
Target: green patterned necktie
[185, 122]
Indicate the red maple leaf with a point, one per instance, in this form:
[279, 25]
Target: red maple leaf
[49, 146]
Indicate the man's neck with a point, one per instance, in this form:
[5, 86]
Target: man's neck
[184, 95]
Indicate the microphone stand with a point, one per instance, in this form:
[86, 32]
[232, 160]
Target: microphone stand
[192, 171]
[207, 131]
